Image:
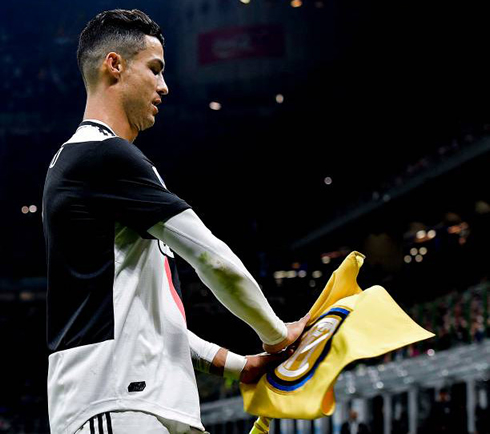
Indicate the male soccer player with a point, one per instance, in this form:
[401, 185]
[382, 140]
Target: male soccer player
[121, 355]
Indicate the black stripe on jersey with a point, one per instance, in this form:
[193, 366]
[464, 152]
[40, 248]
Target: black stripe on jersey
[101, 427]
[173, 271]
[92, 427]
[109, 423]
[175, 275]
[90, 189]
[102, 128]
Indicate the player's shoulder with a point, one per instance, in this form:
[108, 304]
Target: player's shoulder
[117, 146]
[122, 158]
[118, 150]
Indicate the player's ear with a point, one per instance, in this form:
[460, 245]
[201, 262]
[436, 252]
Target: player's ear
[113, 65]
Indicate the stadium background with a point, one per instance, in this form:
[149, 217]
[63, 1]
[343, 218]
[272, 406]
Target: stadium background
[298, 131]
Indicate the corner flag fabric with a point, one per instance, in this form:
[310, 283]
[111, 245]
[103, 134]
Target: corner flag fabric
[346, 324]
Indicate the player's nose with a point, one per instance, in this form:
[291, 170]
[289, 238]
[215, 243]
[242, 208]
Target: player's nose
[162, 87]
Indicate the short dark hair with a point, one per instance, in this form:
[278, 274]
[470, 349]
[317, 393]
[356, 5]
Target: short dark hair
[119, 30]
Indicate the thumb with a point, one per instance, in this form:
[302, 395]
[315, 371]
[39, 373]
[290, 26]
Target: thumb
[279, 357]
[305, 319]
[298, 328]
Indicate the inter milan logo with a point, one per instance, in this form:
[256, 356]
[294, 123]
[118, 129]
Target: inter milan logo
[313, 348]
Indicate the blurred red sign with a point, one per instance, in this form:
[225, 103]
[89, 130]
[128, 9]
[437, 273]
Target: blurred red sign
[240, 43]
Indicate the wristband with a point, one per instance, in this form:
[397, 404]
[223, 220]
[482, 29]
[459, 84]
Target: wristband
[234, 365]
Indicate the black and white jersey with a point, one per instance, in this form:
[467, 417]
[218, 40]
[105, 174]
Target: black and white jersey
[116, 325]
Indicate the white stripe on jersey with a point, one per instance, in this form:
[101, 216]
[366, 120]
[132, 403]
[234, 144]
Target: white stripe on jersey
[87, 133]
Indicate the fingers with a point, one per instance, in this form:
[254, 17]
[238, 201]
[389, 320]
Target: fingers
[279, 357]
[305, 319]
[273, 349]
[302, 323]
[258, 364]
[295, 329]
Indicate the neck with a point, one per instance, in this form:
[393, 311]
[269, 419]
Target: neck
[106, 107]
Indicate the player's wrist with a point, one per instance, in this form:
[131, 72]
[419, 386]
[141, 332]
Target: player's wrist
[234, 365]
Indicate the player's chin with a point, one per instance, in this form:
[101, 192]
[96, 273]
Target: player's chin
[149, 122]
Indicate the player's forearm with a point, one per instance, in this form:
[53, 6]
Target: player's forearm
[243, 297]
[210, 358]
[221, 270]
[202, 352]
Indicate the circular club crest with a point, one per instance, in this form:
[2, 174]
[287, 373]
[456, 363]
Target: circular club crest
[313, 348]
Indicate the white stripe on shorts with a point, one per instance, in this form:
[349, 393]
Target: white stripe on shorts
[130, 422]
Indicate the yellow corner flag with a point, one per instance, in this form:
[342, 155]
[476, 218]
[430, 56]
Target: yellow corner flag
[346, 324]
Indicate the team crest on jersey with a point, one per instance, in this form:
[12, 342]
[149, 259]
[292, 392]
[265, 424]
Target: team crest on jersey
[313, 348]
[165, 249]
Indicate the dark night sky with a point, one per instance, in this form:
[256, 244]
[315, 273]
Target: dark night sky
[399, 80]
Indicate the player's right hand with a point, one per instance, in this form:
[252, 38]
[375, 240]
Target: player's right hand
[295, 329]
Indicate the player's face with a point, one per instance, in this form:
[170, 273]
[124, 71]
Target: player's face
[143, 85]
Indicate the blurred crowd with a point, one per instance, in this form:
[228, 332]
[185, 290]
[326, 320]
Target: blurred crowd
[456, 319]
[46, 74]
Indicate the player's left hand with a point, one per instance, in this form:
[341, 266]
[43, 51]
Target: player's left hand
[295, 330]
[258, 364]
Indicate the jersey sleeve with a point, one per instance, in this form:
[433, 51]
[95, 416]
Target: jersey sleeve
[127, 186]
[222, 272]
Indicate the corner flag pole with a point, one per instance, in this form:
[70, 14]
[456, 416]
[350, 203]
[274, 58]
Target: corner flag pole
[261, 425]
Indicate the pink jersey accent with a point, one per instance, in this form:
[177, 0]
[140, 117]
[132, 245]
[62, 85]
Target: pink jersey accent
[175, 296]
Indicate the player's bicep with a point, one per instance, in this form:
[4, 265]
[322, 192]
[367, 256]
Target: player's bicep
[188, 236]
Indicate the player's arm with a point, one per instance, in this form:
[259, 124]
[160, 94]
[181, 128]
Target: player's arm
[210, 358]
[222, 272]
